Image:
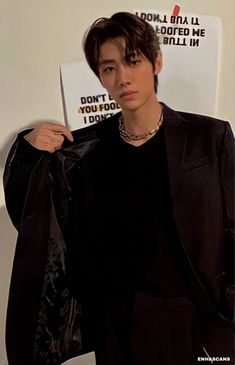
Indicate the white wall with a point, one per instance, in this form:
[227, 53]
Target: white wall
[35, 38]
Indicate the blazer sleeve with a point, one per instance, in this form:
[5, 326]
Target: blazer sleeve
[21, 160]
[227, 189]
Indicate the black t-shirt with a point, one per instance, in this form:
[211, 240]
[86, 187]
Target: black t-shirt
[125, 233]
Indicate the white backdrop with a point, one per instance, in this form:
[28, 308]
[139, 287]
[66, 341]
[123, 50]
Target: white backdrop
[189, 80]
[35, 38]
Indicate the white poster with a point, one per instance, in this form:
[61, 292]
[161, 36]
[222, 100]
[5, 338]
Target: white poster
[86, 359]
[85, 100]
[188, 81]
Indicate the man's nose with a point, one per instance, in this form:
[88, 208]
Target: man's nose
[123, 75]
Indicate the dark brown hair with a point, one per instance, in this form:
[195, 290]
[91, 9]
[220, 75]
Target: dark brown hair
[139, 37]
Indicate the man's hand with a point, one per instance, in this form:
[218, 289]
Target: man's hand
[48, 136]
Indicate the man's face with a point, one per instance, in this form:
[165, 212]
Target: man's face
[130, 83]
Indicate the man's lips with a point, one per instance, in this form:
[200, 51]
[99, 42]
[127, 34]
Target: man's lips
[127, 94]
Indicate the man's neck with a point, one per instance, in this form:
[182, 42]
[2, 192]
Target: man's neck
[143, 119]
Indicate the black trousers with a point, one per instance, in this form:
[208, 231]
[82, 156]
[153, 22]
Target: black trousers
[145, 330]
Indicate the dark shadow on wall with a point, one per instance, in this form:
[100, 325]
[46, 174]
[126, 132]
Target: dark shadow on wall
[8, 232]
[7, 143]
[5, 148]
[7, 250]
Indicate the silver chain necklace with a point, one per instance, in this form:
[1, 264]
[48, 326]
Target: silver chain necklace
[127, 136]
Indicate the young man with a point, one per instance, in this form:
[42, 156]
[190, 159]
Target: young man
[125, 227]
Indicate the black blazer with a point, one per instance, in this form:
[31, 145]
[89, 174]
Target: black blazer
[43, 318]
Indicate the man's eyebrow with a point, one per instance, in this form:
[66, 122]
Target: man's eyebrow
[104, 62]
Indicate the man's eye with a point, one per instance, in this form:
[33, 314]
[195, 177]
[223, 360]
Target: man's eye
[108, 69]
[135, 62]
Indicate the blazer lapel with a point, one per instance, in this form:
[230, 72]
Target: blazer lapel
[176, 136]
[175, 142]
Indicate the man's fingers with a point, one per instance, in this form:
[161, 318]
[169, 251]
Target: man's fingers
[60, 129]
[48, 136]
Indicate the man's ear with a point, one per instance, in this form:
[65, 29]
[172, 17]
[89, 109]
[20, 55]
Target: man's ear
[158, 63]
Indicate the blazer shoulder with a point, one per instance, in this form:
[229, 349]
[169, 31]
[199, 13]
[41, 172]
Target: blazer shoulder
[96, 130]
[204, 121]
[175, 117]
[201, 129]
